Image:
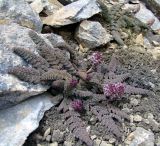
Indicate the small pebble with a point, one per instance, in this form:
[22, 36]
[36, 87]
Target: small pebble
[104, 143]
[139, 96]
[88, 129]
[146, 121]
[97, 142]
[53, 144]
[68, 143]
[137, 118]
[48, 138]
[46, 133]
[150, 116]
[112, 140]
[126, 110]
[93, 137]
[155, 43]
[134, 102]
[131, 118]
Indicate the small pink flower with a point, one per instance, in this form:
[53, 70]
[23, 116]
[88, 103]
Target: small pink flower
[73, 83]
[114, 89]
[96, 58]
[77, 104]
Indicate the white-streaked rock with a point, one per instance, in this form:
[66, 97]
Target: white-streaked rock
[141, 137]
[13, 35]
[20, 12]
[145, 15]
[17, 122]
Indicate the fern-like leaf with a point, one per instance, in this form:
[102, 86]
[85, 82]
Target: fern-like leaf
[36, 61]
[77, 127]
[26, 74]
[55, 74]
[133, 90]
[112, 64]
[117, 78]
[106, 117]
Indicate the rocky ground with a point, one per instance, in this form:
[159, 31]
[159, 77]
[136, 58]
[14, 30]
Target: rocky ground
[144, 125]
[139, 55]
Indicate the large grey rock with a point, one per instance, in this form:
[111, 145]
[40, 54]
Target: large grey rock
[153, 5]
[73, 13]
[17, 122]
[142, 137]
[146, 16]
[91, 34]
[20, 12]
[13, 90]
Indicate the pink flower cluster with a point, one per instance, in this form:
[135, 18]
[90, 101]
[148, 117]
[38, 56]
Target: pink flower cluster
[96, 58]
[114, 89]
[77, 105]
[73, 83]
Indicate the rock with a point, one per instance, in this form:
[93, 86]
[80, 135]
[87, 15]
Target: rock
[134, 102]
[13, 35]
[155, 43]
[153, 5]
[46, 133]
[93, 137]
[88, 129]
[145, 15]
[150, 116]
[112, 140]
[20, 12]
[147, 44]
[38, 5]
[131, 118]
[104, 143]
[126, 110]
[97, 142]
[141, 137]
[155, 52]
[47, 6]
[68, 143]
[91, 34]
[17, 122]
[73, 13]
[53, 144]
[137, 118]
[48, 138]
[153, 123]
[139, 40]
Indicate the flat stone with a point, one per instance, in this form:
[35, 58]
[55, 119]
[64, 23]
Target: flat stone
[20, 12]
[91, 34]
[72, 13]
[17, 122]
[142, 137]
